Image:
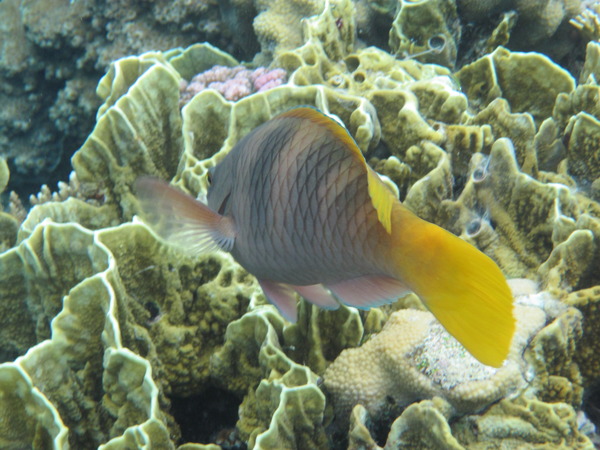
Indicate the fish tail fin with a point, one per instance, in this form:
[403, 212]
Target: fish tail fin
[460, 285]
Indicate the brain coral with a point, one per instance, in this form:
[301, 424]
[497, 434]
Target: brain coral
[520, 420]
[413, 358]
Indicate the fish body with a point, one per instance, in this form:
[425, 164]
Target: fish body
[298, 207]
[306, 212]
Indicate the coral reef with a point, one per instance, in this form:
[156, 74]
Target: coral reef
[27, 416]
[538, 20]
[588, 21]
[272, 24]
[104, 329]
[9, 224]
[508, 75]
[514, 421]
[286, 409]
[52, 54]
[586, 358]
[69, 335]
[457, 32]
[81, 346]
[232, 82]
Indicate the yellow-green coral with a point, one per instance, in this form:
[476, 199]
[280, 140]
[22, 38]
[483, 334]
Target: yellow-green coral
[583, 158]
[4, 174]
[539, 20]
[529, 81]
[359, 436]
[122, 291]
[278, 25]
[284, 407]
[523, 422]
[520, 421]
[27, 418]
[139, 133]
[588, 21]
[133, 322]
[320, 335]
[514, 423]
[423, 425]
[430, 167]
[8, 224]
[77, 361]
[293, 406]
[588, 349]
[519, 127]
[530, 217]
[423, 25]
[570, 260]
[554, 358]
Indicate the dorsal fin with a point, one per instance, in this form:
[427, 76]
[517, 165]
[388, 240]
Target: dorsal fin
[383, 199]
[320, 118]
[381, 196]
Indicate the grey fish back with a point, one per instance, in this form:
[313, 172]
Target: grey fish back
[301, 205]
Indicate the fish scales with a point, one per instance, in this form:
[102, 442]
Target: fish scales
[300, 183]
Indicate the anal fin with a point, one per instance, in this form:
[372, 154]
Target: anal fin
[318, 295]
[368, 291]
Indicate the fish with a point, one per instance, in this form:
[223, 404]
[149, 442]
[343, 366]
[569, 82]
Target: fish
[296, 205]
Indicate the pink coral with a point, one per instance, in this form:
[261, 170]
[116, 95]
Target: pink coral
[265, 79]
[233, 82]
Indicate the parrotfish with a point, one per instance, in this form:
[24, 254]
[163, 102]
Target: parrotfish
[297, 206]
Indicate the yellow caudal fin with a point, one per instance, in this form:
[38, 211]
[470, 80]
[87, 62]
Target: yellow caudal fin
[460, 285]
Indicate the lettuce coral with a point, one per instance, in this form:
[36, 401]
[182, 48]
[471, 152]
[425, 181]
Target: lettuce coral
[104, 329]
[272, 24]
[70, 341]
[426, 28]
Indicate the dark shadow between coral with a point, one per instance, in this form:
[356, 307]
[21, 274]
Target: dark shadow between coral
[209, 417]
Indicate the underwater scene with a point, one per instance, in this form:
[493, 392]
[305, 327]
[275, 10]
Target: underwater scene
[299, 224]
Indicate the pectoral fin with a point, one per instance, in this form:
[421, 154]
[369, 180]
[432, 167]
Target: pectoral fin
[182, 220]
